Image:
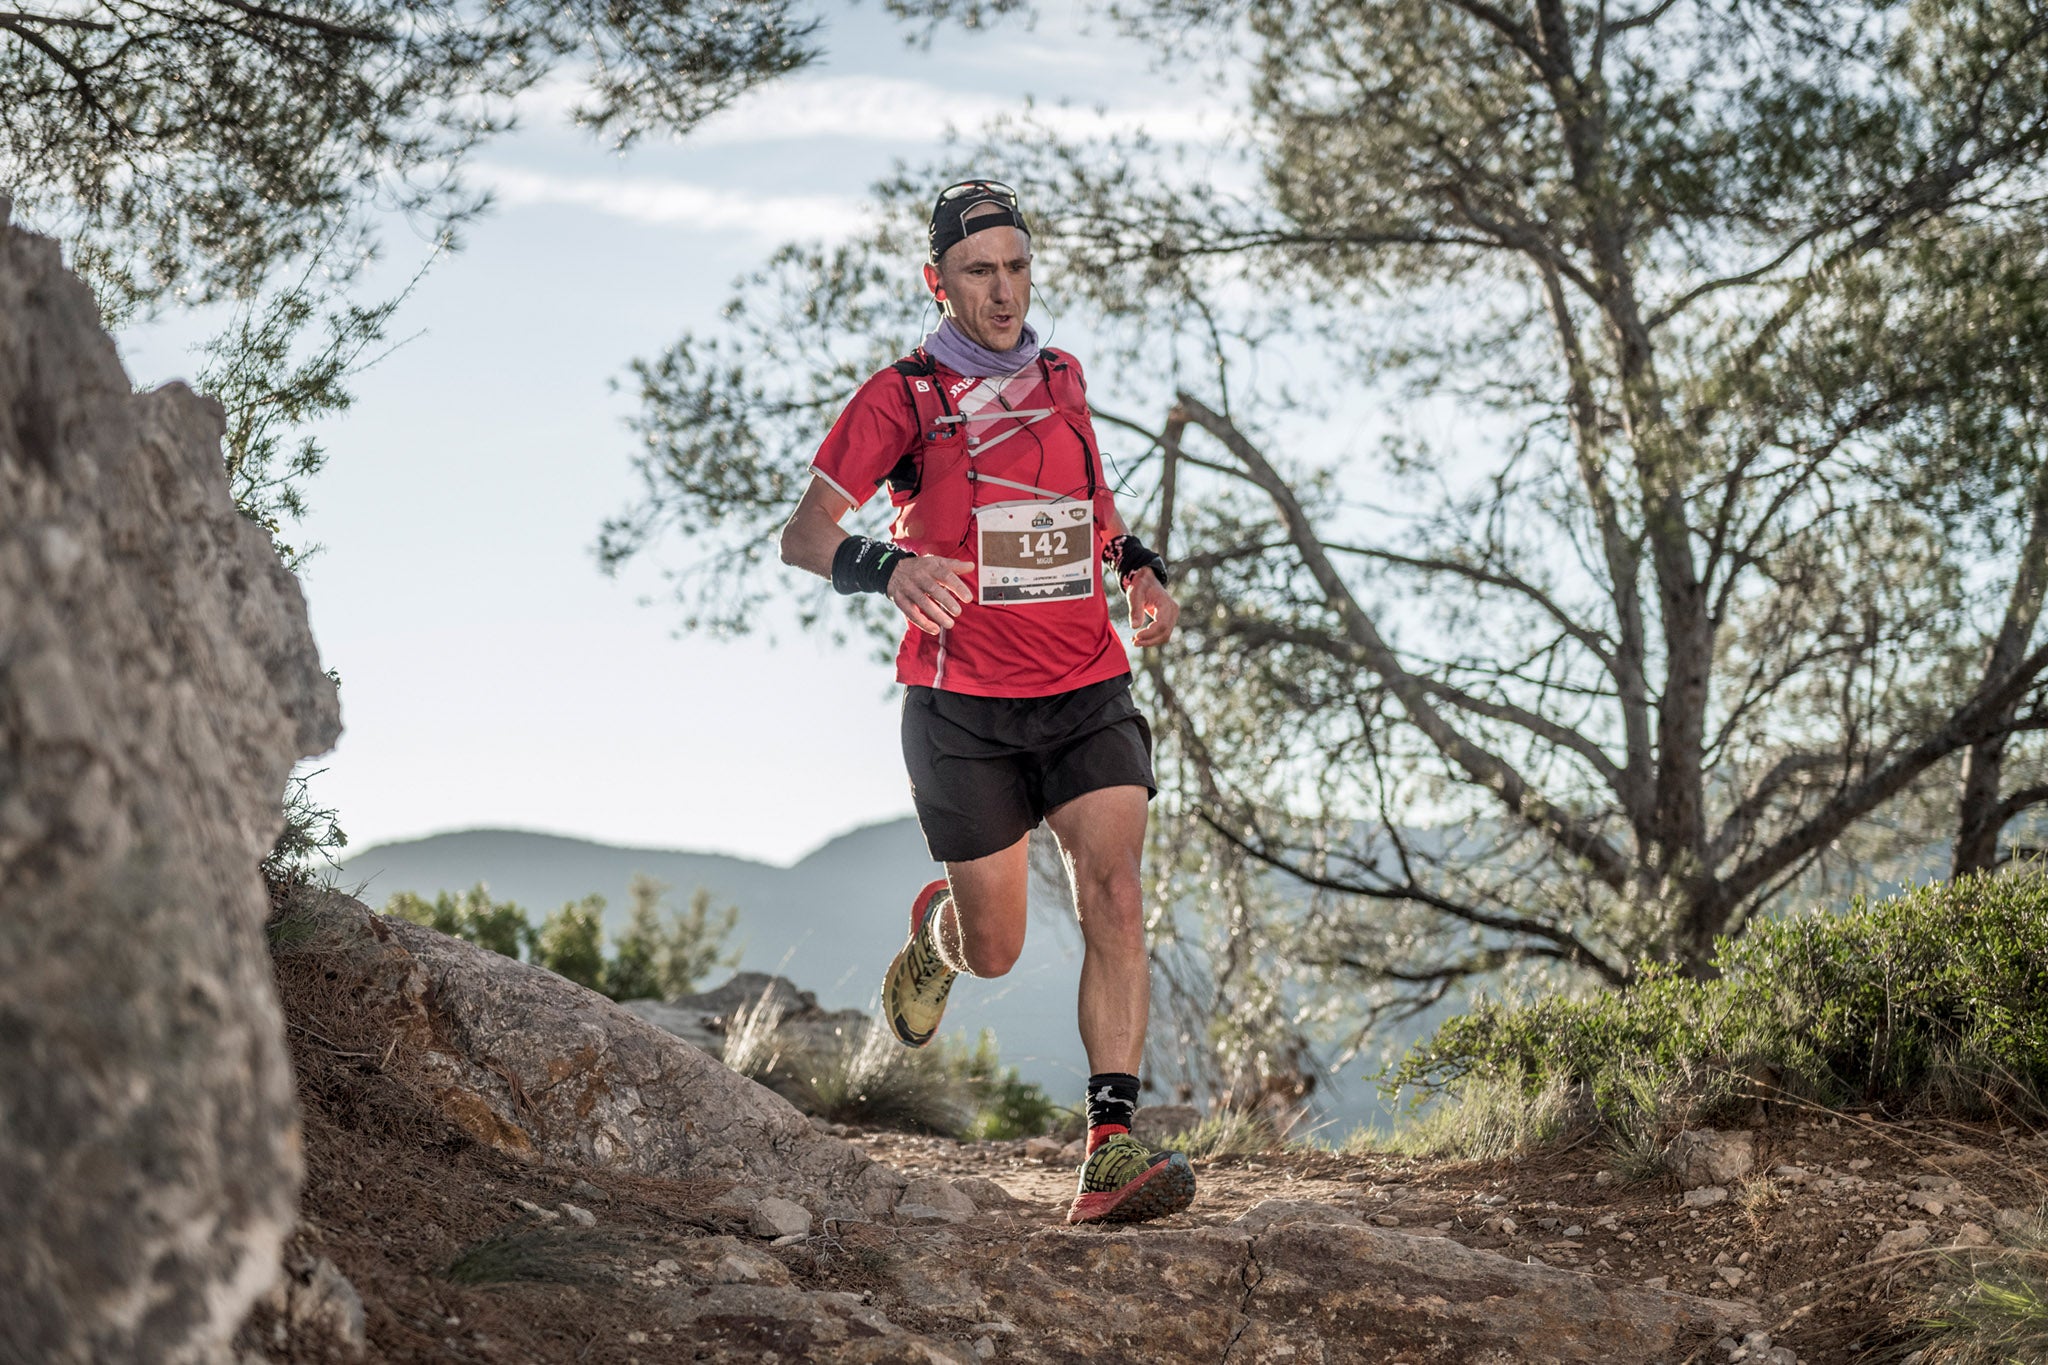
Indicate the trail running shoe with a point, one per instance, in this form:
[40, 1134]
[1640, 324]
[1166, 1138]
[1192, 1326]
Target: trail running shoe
[914, 989]
[1124, 1181]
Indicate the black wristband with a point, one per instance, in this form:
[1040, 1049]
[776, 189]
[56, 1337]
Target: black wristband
[1127, 554]
[864, 565]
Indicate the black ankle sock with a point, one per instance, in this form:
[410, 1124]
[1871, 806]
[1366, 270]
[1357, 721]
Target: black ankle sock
[1112, 1099]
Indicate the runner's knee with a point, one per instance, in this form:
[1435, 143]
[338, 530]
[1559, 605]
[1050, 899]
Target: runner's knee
[1111, 899]
[991, 929]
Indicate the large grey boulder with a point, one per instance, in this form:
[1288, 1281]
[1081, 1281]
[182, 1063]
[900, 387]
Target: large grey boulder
[538, 1067]
[708, 1019]
[157, 681]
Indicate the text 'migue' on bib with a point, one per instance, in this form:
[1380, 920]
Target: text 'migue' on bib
[1035, 551]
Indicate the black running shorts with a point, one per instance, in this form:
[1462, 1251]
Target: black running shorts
[985, 770]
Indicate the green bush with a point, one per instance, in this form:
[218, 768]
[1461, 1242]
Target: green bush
[500, 926]
[650, 959]
[656, 961]
[1934, 1000]
[571, 942]
[1005, 1106]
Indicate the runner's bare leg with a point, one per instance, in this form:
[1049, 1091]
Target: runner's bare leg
[1102, 834]
[981, 929]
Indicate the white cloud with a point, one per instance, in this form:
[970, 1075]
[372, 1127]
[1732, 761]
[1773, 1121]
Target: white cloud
[680, 203]
[895, 109]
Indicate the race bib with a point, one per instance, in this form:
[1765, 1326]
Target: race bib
[1036, 551]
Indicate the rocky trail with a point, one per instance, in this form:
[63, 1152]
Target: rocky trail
[494, 1159]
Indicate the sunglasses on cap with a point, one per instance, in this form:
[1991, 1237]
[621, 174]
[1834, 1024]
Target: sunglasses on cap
[966, 187]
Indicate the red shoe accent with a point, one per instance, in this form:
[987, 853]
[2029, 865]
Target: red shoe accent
[1165, 1188]
[922, 905]
[1098, 1136]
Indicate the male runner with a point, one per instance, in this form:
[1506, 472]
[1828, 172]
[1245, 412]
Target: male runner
[1017, 704]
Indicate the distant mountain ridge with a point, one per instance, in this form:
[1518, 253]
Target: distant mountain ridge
[830, 921]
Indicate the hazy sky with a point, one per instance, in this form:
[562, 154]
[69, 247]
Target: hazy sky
[491, 675]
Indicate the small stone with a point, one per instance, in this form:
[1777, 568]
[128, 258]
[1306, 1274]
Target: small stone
[1705, 1197]
[1386, 1220]
[774, 1217]
[1444, 1226]
[1705, 1156]
[788, 1239]
[1973, 1235]
[1723, 1258]
[527, 1206]
[666, 1266]
[984, 1348]
[1604, 1178]
[580, 1216]
[1509, 1226]
[1657, 1282]
[1575, 1231]
[924, 1213]
[1730, 1275]
[1042, 1149]
[636, 1338]
[1911, 1237]
[1077, 1150]
[1795, 1175]
[1860, 1163]
[939, 1194]
[2014, 1220]
[587, 1192]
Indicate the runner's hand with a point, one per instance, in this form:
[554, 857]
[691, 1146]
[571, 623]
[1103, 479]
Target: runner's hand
[1153, 610]
[929, 592]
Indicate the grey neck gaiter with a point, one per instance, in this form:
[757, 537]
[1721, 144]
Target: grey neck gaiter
[961, 354]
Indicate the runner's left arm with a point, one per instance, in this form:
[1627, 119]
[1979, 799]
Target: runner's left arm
[1153, 610]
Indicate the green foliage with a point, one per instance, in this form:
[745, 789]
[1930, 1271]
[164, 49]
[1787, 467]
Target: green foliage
[571, 942]
[1228, 1133]
[649, 960]
[188, 148]
[1490, 1118]
[870, 1078]
[1992, 1306]
[501, 926]
[653, 961]
[312, 833]
[523, 1254]
[1933, 1000]
[1005, 1106]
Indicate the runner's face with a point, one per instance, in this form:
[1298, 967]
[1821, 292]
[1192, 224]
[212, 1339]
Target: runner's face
[987, 282]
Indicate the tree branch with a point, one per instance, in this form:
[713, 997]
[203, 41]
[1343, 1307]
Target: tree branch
[1481, 765]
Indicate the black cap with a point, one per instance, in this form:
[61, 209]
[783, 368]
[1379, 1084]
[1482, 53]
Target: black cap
[956, 200]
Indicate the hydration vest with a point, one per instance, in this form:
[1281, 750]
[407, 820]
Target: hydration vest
[930, 401]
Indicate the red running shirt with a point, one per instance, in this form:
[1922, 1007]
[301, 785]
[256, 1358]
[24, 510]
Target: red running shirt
[1023, 649]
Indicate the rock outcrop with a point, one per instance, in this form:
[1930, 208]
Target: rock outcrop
[157, 681]
[708, 1018]
[537, 1066]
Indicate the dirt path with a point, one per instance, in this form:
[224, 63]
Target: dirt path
[1794, 1243]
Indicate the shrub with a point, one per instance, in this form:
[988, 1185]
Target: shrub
[872, 1079]
[1491, 1117]
[1933, 1000]
[657, 961]
[1005, 1106]
[501, 926]
[1229, 1132]
[571, 942]
[1992, 1306]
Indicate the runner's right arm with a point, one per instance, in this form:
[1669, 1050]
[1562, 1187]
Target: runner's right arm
[927, 589]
